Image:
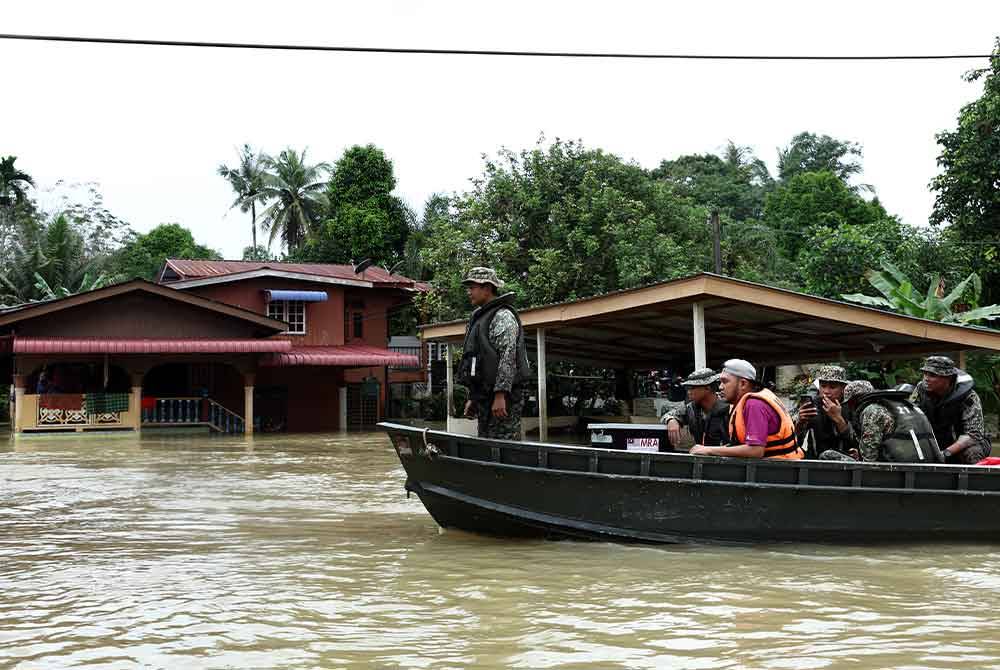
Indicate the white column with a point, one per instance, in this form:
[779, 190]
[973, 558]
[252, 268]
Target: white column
[135, 408]
[248, 410]
[698, 314]
[18, 404]
[449, 386]
[543, 396]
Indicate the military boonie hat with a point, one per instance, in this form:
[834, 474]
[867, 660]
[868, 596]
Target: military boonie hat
[481, 275]
[738, 367]
[701, 377]
[941, 366]
[832, 374]
[857, 388]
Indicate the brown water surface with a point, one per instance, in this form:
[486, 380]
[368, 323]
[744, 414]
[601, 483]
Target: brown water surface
[303, 552]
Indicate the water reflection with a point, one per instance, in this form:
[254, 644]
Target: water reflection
[296, 552]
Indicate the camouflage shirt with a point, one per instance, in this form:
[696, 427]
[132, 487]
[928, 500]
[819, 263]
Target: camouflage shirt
[503, 337]
[973, 423]
[876, 423]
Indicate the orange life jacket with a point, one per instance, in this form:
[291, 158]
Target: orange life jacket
[780, 444]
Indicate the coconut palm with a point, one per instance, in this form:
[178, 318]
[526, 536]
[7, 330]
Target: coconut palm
[247, 181]
[294, 191]
[13, 183]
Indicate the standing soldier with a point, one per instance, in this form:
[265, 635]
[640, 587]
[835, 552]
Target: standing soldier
[494, 363]
[946, 396]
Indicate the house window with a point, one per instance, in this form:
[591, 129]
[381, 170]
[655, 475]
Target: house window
[293, 312]
[358, 321]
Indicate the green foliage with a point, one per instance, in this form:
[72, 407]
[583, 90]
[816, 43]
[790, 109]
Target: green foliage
[247, 182]
[363, 219]
[14, 183]
[50, 264]
[816, 199]
[809, 152]
[900, 295]
[835, 260]
[258, 253]
[968, 188]
[561, 222]
[144, 255]
[293, 191]
[735, 184]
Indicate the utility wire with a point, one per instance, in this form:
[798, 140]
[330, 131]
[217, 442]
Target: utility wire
[473, 52]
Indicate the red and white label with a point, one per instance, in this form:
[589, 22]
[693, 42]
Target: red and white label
[642, 444]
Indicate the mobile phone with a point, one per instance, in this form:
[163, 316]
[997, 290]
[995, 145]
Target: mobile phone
[805, 398]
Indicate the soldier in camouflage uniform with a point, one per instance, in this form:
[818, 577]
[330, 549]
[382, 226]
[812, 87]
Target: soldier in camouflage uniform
[494, 362]
[823, 424]
[873, 423]
[954, 409]
[888, 427]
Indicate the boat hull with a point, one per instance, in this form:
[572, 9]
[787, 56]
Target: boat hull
[541, 490]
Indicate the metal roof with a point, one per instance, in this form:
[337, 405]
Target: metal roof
[374, 276]
[652, 326]
[114, 345]
[347, 355]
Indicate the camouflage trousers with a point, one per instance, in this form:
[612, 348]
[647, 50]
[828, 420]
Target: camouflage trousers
[507, 428]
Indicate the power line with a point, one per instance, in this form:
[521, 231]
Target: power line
[473, 52]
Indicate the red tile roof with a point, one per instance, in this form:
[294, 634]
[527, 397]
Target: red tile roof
[346, 355]
[114, 345]
[196, 269]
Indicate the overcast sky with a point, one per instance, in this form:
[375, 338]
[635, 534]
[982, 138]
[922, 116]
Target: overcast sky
[151, 124]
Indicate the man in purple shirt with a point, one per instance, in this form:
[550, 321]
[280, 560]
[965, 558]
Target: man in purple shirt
[760, 427]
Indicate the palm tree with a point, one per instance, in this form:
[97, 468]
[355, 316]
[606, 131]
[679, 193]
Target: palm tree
[294, 190]
[50, 265]
[13, 183]
[247, 181]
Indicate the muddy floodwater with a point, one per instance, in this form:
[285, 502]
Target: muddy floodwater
[304, 552]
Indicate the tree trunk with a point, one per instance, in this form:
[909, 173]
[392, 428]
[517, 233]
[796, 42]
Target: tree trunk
[253, 225]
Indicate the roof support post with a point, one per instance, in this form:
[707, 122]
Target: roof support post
[961, 360]
[18, 417]
[449, 386]
[543, 396]
[698, 320]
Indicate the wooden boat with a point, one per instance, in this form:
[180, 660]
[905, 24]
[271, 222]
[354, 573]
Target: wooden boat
[530, 489]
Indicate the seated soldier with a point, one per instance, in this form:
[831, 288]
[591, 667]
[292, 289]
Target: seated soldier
[947, 397]
[820, 422]
[705, 414]
[888, 427]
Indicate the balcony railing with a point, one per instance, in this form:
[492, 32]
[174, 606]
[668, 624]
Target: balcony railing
[411, 351]
[193, 411]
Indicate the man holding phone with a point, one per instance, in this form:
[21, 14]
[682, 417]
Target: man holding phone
[820, 422]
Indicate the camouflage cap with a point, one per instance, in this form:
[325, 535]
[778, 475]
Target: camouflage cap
[942, 366]
[701, 377]
[856, 388]
[481, 275]
[831, 374]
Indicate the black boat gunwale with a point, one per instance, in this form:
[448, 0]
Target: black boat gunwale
[448, 446]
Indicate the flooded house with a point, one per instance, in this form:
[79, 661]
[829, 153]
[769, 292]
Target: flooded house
[230, 346]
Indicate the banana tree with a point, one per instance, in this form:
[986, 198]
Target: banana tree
[899, 294]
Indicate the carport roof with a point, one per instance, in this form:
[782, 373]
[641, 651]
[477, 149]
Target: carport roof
[651, 326]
